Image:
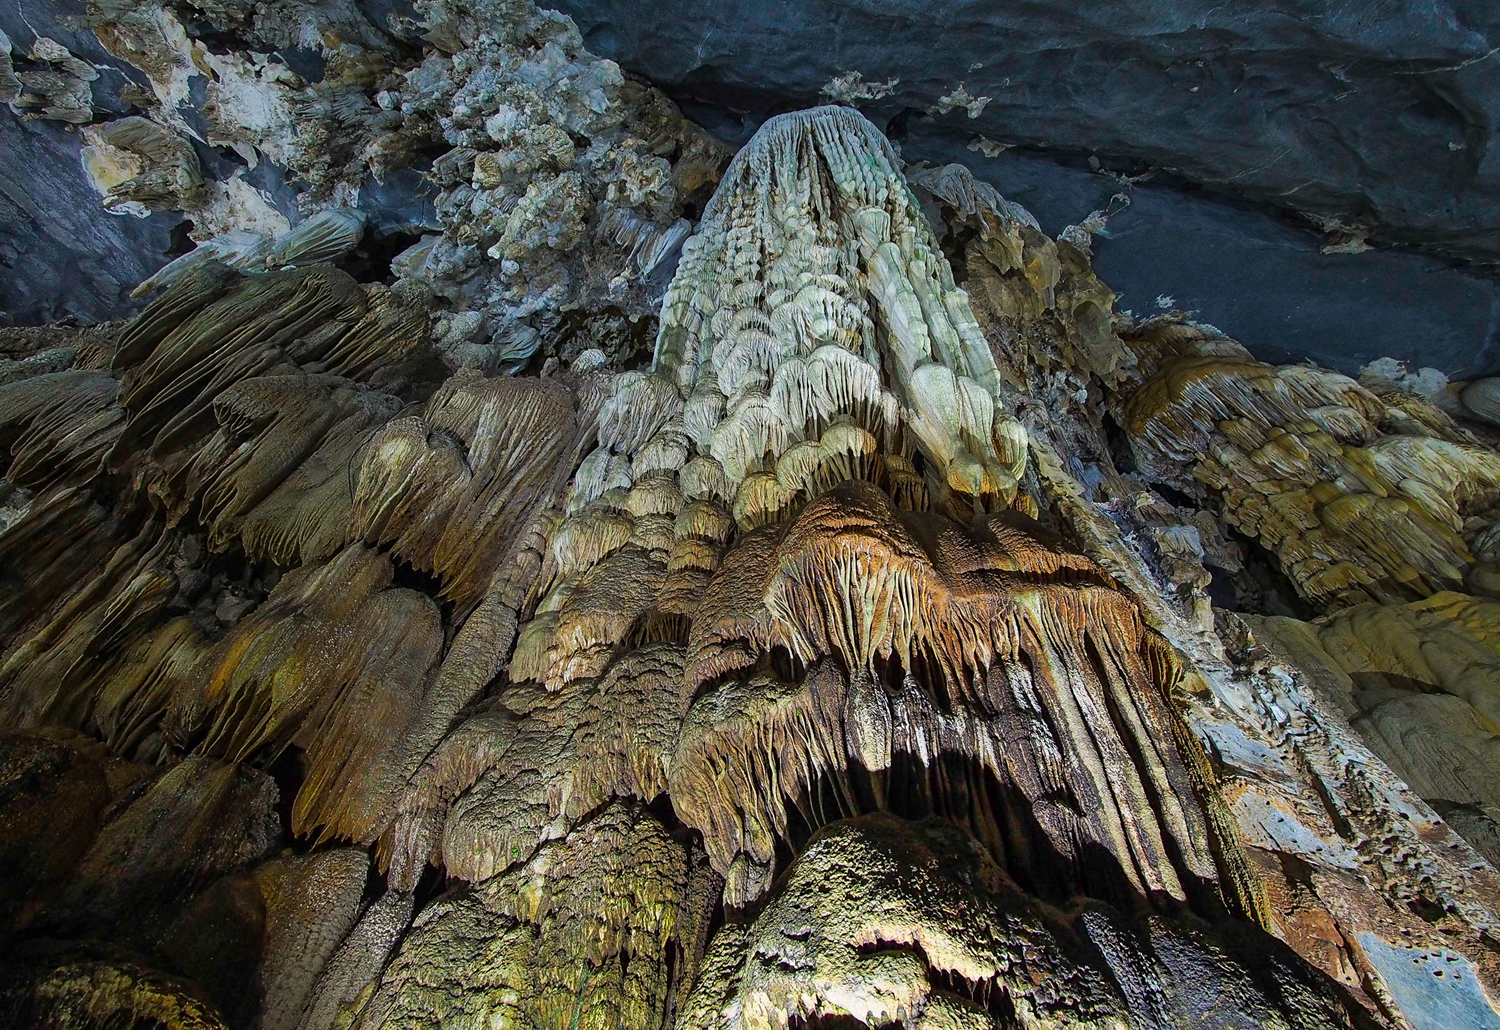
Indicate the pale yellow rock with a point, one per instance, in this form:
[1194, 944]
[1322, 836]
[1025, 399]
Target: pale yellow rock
[1353, 498]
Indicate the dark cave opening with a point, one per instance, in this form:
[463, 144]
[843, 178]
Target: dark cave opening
[182, 241]
[1260, 587]
[1120, 451]
[289, 770]
[370, 260]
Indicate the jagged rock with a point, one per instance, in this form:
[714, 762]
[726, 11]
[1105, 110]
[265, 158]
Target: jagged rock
[72, 258]
[321, 239]
[51, 82]
[859, 582]
[1358, 499]
[198, 821]
[1480, 399]
[352, 974]
[311, 905]
[55, 795]
[1418, 682]
[134, 161]
[256, 941]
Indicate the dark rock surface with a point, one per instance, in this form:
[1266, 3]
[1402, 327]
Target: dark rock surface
[1385, 114]
[61, 253]
[1255, 275]
[1388, 110]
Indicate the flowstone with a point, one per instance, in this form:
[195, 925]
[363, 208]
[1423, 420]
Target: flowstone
[856, 661]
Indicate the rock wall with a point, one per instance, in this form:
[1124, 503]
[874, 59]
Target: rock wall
[1373, 126]
[1261, 155]
[675, 590]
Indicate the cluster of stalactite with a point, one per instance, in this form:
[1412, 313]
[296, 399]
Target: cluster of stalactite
[1358, 499]
[827, 669]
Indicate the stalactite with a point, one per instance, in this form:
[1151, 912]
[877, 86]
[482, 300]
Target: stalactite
[1028, 663]
[857, 661]
[1356, 499]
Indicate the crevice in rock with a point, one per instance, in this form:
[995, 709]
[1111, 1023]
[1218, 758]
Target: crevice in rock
[370, 260]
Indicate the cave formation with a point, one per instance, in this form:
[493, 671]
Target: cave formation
[688, 589]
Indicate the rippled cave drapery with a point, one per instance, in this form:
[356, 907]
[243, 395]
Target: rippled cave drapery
[835, 632]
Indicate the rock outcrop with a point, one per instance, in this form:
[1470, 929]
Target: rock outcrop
[424, 653]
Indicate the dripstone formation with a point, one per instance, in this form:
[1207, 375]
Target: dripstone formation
[866, 625]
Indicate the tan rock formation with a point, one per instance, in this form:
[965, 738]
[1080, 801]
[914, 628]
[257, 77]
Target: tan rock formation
[887, 922]
[1421, 684]
[362, 692]
[928, 648]
[1357, 499]
[578, 936]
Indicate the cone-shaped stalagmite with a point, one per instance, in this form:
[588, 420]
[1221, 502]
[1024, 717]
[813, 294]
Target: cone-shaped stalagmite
[826, 669]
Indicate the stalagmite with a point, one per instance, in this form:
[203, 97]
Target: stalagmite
[579, 936]
[95, 991]
[350, 976]
[392, 636]
[883, 923]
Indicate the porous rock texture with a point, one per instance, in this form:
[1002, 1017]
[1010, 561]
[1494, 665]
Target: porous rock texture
[871, 625]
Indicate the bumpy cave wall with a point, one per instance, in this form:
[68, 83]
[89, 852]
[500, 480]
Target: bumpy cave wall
[684, 589]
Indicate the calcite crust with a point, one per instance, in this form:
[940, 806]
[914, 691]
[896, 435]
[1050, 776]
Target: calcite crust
[665, 590]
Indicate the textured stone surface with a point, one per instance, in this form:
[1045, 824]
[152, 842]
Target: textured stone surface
[1313, 105]
[61, 252]
[870, 624]
[1293, 107]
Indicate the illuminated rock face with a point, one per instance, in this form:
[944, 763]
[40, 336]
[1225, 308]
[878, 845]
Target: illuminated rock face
[814, 295]
[828, 669]
[1357, 498]
[890, 922]
[945, 664]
